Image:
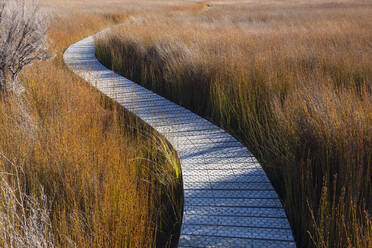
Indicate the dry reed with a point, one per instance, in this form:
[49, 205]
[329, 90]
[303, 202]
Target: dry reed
[291, 80]
[100, 168]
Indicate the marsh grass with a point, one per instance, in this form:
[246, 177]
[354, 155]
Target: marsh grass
[292, 81]
[102, 170]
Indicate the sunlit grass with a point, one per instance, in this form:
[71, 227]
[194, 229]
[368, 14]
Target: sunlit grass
[292, 81]
[101, 169]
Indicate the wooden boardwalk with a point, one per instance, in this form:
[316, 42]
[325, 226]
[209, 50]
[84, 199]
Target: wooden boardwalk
[229, 201]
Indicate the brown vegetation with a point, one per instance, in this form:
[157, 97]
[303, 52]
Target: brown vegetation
[290, 79]
[101, 169]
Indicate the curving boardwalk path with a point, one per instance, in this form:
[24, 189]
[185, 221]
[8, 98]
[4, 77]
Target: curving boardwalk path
[229, 201]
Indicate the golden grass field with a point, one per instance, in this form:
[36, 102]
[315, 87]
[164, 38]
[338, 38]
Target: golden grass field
[101, 169]
[290, 79]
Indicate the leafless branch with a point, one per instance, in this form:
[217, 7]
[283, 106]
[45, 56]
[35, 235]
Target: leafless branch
[23, 34]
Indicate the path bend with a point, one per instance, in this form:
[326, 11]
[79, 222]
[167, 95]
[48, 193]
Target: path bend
[228, 199]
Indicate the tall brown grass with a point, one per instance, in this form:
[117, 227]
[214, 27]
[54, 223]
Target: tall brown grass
[291, 80]
[101, 169]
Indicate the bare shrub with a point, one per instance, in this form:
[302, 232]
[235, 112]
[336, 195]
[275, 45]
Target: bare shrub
[23, 34]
